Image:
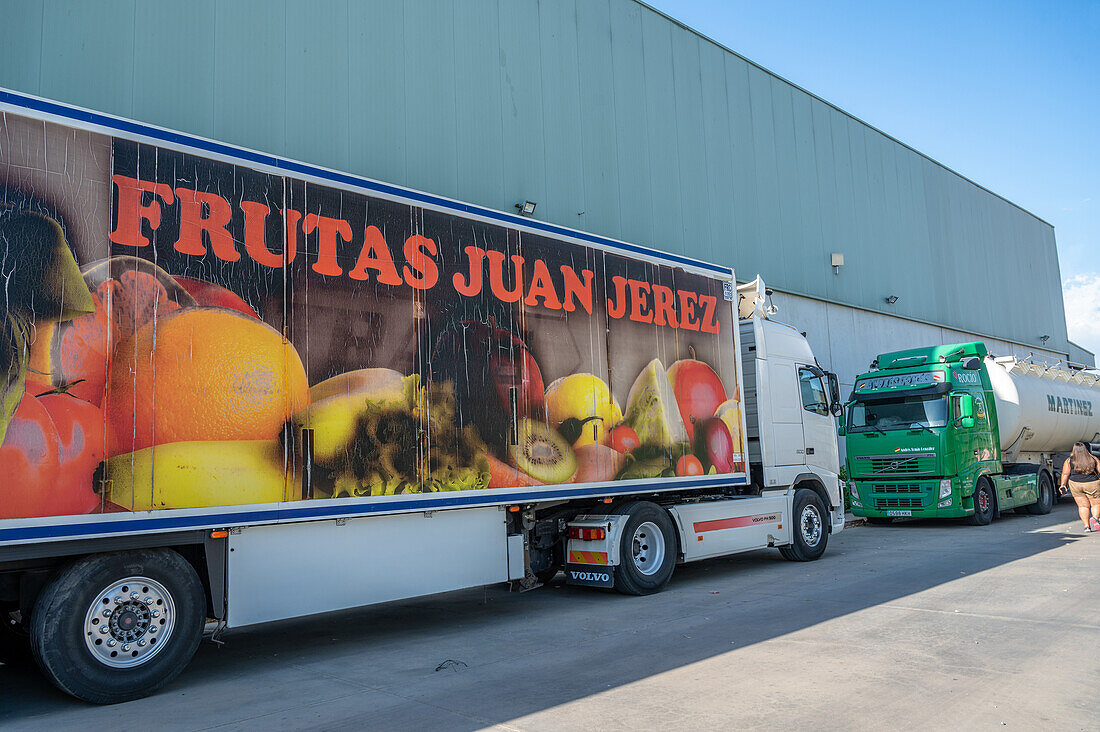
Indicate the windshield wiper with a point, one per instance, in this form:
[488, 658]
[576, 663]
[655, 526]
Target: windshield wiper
[923, 427]
[875, 428]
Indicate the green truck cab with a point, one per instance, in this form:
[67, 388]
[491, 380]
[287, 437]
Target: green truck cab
[923, 440]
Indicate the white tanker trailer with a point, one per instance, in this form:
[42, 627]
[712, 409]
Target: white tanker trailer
[1041, 409]
[950, 431]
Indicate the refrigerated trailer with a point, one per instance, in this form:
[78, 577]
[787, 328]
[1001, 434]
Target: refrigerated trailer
[953, 432]
[239, 388]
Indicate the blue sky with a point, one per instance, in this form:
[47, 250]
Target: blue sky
[1006, 93]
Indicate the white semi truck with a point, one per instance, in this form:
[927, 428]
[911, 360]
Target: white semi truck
[256, 389]
[950, 431]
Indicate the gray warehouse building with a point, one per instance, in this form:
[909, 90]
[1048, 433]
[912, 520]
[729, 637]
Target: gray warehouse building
[611, 117]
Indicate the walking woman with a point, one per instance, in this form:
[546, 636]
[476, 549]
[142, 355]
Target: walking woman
[1081, 471]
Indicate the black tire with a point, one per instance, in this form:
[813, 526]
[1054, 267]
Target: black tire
[809, 528]
[15, 641]
[1045, 502]
[645, 565]
[69, 603]
[984, 506]
[879, 520]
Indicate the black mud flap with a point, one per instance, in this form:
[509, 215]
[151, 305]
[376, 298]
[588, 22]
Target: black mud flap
[590, 575]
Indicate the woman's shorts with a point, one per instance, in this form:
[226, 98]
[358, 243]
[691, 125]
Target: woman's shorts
[1090, 489]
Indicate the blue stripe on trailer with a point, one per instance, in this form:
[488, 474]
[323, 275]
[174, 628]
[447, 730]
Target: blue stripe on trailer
[220, 148]
[231, 518]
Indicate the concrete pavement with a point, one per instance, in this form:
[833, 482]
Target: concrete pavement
[923, 624]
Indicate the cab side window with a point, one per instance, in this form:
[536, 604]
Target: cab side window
[813, 392]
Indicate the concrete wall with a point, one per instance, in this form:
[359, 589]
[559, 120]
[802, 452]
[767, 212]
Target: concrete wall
[610, 116]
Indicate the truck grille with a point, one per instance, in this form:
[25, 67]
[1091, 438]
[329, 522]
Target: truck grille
[916, 463]
[899, 503]
[896, 488]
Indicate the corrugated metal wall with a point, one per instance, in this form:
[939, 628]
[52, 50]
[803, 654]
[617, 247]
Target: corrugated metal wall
[610, 116]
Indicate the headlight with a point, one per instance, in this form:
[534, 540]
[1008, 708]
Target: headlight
[945, 488]
[852, 488]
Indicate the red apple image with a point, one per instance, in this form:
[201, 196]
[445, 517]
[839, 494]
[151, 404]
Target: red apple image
[207, 293]
[698, 391]
[491, 370]
[713, 445]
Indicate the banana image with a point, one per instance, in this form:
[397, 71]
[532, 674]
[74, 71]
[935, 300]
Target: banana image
[337, 403]
[200, 474]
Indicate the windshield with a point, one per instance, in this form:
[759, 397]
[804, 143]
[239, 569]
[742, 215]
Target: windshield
[900, 414]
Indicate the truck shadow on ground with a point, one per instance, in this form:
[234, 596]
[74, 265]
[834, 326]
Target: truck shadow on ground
[516, 653]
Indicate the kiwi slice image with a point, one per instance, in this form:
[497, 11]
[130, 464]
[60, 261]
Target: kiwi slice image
[542, 452]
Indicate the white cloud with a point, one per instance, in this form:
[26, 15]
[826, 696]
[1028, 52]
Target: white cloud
[1082, 298]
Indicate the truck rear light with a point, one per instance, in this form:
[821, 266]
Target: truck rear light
[587, 534]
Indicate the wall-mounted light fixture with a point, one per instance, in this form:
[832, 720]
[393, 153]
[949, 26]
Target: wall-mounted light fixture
[1044, 338]
[891, 299]
[527, 208]
[837, 261]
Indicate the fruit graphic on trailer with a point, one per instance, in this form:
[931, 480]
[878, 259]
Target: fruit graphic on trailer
[542, 453]
[214, 374]
[713, 445]
[79, 426]
[698, 391]
[207, 293]
[495, 378]
[128, 293]
[651, 409]
[29, 462]
[586, 399]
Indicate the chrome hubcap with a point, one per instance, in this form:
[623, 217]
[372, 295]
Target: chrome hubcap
[983, 500]
[648, 548]
[810, 525]
[129, 622]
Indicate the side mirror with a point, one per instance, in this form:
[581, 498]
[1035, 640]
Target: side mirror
[834, 393]
[840, 431]
[964, 410]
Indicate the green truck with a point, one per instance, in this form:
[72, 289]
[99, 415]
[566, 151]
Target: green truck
[952, 432]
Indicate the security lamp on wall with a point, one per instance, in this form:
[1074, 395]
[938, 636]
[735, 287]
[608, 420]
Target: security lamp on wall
[527, 208]
[1044, 339]
[836, 259]
[891, 299]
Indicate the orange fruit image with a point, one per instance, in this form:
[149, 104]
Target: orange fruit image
[199, 374]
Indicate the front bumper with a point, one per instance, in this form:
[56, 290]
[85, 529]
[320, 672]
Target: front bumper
[905, 498]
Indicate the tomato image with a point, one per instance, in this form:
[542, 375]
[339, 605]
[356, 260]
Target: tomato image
[689, 465]
[29, 462]
[79, 426]
[623, 438]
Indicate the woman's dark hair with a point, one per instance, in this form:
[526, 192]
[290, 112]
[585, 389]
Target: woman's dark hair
[1081, 460]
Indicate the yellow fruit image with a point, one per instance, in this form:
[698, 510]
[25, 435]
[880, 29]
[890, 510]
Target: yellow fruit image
[579, 397]
[199, 474]
[198, 374]
[729, 412]
[337, 404]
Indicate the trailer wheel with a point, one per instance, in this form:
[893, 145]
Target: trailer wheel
[1044, 504]
[116, 627]
[811, 533]
[985, 503]
[647, 549]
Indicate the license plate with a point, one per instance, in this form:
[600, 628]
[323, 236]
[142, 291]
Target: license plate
[590, 575]
[899, 513]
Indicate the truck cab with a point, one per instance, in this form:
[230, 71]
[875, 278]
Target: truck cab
[922, 439]
[790, 404]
